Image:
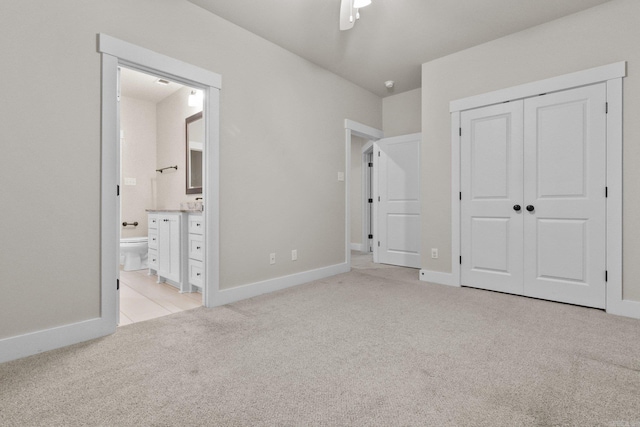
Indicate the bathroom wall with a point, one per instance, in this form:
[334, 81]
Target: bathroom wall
[138, 161]
[171, 113]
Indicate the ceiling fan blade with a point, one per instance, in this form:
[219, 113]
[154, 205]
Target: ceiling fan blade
[347, 12]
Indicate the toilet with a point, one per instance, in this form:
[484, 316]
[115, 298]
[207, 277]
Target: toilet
[134, 253]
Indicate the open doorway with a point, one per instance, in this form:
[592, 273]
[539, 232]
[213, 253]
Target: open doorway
[358, 139]
[161, 169]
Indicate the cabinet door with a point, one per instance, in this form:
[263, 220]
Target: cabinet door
[169, 247]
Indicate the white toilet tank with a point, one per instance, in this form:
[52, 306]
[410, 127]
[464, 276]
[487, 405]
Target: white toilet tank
[134, 253]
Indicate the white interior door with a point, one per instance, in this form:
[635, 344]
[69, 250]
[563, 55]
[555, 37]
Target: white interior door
[565, 220]
[398, 179]
[491, 199]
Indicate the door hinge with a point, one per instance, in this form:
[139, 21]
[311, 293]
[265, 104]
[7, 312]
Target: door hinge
[371, 236]
[378, 243]
[117, 284]
[378, 198]
[460, 131]
[606, 192]
[117, 190]
[461, 195]
[606, 276]
[370, 200]
[370, 165]
[460, 259]
[378, 154]
[606, 108]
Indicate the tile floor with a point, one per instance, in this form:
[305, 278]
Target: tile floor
[141, 298]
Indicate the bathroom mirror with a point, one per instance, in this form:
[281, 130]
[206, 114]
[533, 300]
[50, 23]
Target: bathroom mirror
[195, 144]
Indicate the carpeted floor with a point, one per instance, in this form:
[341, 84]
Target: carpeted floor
[373, 347]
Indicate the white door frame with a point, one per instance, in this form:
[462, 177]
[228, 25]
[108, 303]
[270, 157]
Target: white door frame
[367, 183]
[612, 74]
[363, 131]
[117, 52]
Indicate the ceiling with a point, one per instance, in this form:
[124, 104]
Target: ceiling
[138, 85]
[393, 38]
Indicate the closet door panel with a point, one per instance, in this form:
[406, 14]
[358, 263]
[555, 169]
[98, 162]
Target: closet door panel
[565, 179]
[491, 179]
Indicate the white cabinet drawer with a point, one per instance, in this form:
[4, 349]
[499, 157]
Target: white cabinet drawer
[196, 224]
[196, 247]
[153, 221]
[153, 259]
[196, 273]
[153, 239]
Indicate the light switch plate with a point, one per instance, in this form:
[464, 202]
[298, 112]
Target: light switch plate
[129, 181]
[340, 176]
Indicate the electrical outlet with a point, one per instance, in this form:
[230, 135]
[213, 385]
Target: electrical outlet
[434, 253]
[272, 258]
[294, 255]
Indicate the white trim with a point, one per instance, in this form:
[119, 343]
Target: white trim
[347, 198]
[456, 250]
[616, 304]
[110, 205]
[49, 339]
[367, 183]
[227, 296]
[130, 53]
[438, 278]
[566, 81]
[362, 131]
[357, 247]
[212, 197]
[367, 147]
[376, 203]
[611, 74]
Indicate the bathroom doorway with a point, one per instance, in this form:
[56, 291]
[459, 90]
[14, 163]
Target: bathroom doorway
[161, 152]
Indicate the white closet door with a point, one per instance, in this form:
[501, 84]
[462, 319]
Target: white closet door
[491, 207]
[398, 175]
[565, 178]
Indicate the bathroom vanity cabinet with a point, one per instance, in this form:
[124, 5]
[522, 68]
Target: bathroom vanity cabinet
[176, 248]
[196, 250]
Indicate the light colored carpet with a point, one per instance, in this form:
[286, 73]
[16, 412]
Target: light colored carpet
[371, 347]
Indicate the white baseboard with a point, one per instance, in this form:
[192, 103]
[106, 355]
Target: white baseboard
[357, 247]
[438, 278]
[49, 339]
[227, 296]
[625, 308]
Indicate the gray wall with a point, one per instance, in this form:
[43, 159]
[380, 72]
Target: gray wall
[597, 36]
[172, 112]
[282, 141]
[401, 113]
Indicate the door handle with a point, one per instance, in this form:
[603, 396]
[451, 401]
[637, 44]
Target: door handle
[530, 208]
[517, 208]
